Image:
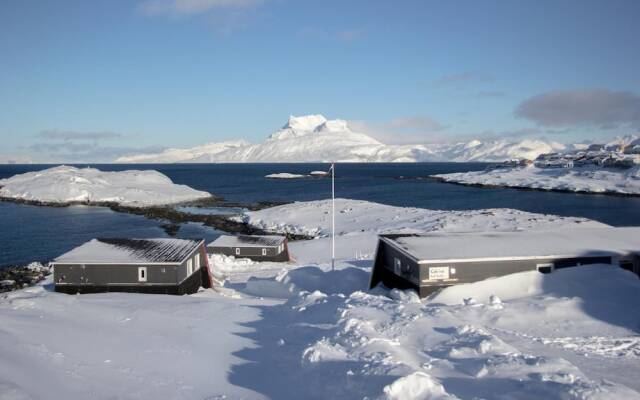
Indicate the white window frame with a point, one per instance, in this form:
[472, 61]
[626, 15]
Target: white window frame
[189, 267]
[264, 251]
[237, 251]
[196, 262]
[142, 274]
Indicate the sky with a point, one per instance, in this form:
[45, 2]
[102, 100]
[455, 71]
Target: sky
[94, 80]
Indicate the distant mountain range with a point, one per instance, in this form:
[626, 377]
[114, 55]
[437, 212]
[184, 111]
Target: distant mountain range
[313, 138]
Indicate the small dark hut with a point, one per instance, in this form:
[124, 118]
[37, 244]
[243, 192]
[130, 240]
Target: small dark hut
[258, 248]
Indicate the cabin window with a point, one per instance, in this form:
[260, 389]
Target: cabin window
[142, 274]
[628, 265]
[264, 252]
[237, 251]
[197, 263]
[545, 268]
[397, 266]
[189, 267]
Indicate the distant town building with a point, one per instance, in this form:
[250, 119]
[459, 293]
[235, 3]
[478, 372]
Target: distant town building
[163, 266]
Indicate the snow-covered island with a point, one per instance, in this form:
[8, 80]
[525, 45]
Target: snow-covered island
[71, 185]
[612, 168]
[588, 179]
[285, 175]
[569, 334]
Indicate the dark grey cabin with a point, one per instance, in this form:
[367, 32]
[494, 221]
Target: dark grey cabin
[258, 248]
[428, 262]
[162, 266]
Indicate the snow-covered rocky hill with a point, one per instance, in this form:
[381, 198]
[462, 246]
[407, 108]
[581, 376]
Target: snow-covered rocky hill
[313, 138]
[68, 185]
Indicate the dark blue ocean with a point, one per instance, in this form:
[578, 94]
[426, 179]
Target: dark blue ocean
[30, 233]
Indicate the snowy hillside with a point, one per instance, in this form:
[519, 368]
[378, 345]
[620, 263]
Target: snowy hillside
[274, 326]
[196, 154]
[66, 184]
[497, 150]
[589, 179]
[313, 138]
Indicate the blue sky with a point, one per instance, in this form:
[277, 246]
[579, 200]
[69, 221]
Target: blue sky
[110, 77]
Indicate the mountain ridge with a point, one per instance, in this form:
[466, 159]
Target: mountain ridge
[314, 138]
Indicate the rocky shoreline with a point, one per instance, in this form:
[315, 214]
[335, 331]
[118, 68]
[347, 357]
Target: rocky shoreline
[14, 277]
[174, 217]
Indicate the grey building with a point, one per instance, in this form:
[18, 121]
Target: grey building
[258, 248]
[428, 262]
[163, 266]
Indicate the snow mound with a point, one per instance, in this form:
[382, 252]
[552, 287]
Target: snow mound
[66, 184]
[589, 179]
[418, 386]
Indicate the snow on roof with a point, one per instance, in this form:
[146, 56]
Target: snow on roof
[247, 241]
[450, 247]
[133, 251]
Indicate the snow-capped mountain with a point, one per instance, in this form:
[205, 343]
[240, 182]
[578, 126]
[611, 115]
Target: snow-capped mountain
[313, 138]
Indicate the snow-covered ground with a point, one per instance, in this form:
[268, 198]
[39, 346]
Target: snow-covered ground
[580, 179]
[314, 138]
[300, 330]
[65, 184]
[359, 222]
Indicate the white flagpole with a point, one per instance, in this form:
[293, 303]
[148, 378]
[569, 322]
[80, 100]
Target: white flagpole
[333, 216]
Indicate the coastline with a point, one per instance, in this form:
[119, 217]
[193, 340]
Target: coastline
[173, 216]
[529, 188]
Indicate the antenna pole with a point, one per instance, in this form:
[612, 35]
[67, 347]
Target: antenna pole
[333, 216]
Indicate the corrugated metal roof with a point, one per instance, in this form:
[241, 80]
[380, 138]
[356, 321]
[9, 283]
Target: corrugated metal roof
[116, 250]
[247, 241]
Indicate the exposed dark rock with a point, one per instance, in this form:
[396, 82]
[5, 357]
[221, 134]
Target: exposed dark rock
[13, 277]
[170, 229]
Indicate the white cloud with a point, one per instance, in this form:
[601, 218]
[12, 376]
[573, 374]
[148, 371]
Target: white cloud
[72, 135]
[599, 108]
[193, 7]
[463, 77]
[403, 130]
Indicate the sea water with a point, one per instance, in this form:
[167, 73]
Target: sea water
[29, 233]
